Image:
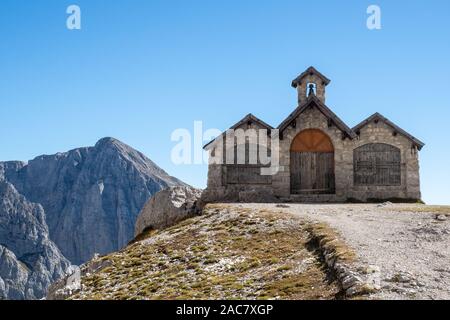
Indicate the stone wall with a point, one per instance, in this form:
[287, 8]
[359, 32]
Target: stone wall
[218, 190]
[410, 181]
[312, 118]
[302, 88]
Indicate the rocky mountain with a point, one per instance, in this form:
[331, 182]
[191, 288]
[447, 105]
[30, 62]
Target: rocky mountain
[91, 196]
[29, 260]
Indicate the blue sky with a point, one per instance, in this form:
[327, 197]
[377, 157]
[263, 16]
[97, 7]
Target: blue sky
[138, 70]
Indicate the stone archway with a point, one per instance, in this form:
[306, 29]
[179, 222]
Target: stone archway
[312, 163]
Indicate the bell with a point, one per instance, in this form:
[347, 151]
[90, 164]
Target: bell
[311, 89]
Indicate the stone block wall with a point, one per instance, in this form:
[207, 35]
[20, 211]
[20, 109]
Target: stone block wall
[410, 181]
[312, 118]
[218, 190]
[302, 88]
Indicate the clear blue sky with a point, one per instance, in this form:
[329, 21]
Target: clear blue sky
[140, 69]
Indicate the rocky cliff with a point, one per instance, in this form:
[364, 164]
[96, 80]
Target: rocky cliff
[29, 260]
[91, 196]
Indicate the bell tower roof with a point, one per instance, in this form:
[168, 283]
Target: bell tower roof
[311, 71]
[310, 82]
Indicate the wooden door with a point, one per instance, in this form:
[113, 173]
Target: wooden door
[312, 172]
[312, 163]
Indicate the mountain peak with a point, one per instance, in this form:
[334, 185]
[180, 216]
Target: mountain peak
[108, 141]
[107, 184]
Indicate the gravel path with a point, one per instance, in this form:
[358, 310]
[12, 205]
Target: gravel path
[408, 245]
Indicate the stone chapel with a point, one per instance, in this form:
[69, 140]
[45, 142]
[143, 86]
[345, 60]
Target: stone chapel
[319, 158]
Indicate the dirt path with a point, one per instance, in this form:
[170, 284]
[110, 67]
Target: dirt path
[408, 244]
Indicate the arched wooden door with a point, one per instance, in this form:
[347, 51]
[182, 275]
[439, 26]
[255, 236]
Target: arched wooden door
[312, 163]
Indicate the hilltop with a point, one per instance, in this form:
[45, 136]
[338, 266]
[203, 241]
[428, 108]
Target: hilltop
[283, 251]
[228, 253]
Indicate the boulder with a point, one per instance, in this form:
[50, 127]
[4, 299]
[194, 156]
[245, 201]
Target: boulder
[65, 287]
[71, 283]
[168, 207]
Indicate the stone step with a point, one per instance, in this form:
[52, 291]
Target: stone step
[314, 198]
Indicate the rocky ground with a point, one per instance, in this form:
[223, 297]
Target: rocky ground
[408, 246]
[282, 251]
[228, 253]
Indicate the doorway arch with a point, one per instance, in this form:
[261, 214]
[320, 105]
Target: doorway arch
[312, 163]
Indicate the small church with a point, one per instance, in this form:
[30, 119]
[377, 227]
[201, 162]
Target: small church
[318, 157]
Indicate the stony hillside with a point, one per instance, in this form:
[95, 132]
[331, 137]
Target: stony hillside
[283, 251]
[228, 253]
[91, 196]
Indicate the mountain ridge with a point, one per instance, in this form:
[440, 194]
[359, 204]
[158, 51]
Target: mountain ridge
[91, 195]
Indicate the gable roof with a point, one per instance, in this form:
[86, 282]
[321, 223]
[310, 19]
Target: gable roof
[252, 118]
[248, 118]
[310, 70]
[313, 100]
[378, 116]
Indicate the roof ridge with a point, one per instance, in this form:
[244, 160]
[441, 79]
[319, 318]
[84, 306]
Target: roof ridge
[308, 71]
[322, 108]
[237, 124]
[366, 121]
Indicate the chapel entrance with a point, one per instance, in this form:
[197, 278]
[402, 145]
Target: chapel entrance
[312, 163]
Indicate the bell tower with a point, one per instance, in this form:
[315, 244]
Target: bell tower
[310, 82]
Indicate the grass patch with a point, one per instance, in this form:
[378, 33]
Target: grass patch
[328, 239]
[427, 209]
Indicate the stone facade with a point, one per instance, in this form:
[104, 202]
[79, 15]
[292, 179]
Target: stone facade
[312, 113]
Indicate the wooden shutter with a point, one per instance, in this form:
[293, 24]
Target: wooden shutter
[377, 164]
